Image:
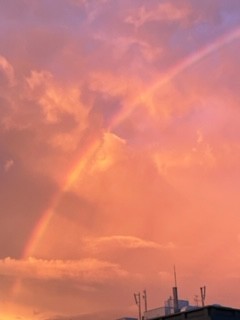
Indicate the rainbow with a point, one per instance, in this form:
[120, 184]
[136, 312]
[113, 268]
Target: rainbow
[175, 71]
[95, 143]
[88, 153]
[78, 167]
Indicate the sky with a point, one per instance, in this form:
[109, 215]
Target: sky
[119, 155]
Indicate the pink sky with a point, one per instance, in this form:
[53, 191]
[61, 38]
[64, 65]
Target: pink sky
[119, 155]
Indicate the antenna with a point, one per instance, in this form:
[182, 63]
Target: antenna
[175, 292]
[137, 298]
[203, 295]
[145, 298]
[196, 299]
[175, 276]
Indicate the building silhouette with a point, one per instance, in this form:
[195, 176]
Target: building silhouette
[212, 312]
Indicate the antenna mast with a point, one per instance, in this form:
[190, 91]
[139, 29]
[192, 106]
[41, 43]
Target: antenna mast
[203, 295]
[175, 293]
[175, 276]
[137, 298]
[145, 298]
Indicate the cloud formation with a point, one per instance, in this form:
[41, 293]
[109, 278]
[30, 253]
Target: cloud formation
[129, 242]
[165, 11]
[85, 270]
[7, 70]
[119, 153]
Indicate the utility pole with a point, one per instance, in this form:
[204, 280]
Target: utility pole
[137, 297]
[145, 299]
[203, 295]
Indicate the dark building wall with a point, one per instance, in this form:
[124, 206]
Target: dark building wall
[206, 313]
[124, 318]
[224, 313]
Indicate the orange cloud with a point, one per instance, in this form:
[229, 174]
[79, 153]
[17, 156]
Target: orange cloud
[56, 100]
[119, 153]
[128, 242]
[164, 11]
[7, 69]
[86, 270]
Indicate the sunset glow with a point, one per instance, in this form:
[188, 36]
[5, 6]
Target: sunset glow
[119, 155]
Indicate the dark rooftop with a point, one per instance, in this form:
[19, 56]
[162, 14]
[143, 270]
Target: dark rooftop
[212, 312]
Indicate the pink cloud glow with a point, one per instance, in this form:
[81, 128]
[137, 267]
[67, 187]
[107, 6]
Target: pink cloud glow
[119, 154]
